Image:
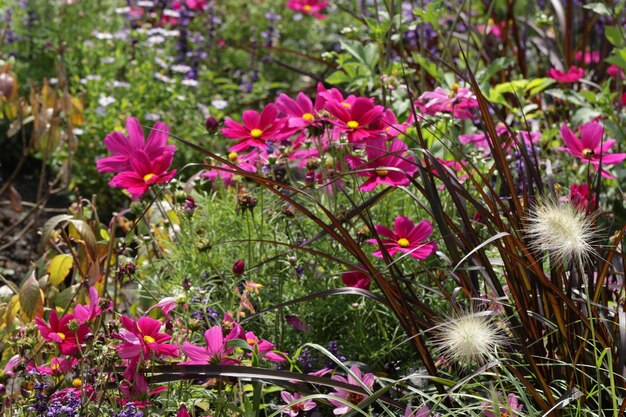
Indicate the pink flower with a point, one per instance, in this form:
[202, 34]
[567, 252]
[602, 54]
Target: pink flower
[145, 172]
[295, 407]
[512, 404]
[167, 305]
[215, 352]
[264, 348]
[123, 148]
[196, 4]
[87, 313]
[352, 397]
[356, 279]
[615, 72]
[142, 337]
[587, 57]
[407, 238]
[422, 412]
[256, 129]
[582, 197]
[590, 147]
[312, 7]
[300, 112]
[573, 75]
[59, 332]
[384, 167]
[459, 101]
[58, 366]
[354, 119]
[481, 140]
[182, 411]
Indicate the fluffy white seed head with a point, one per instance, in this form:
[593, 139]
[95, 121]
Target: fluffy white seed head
[560, 230]
[469, 338]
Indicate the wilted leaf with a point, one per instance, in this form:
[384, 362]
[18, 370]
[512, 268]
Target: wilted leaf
[16, 199]
[30, 296]
[59, 267]
[77, 117]
[12, 309]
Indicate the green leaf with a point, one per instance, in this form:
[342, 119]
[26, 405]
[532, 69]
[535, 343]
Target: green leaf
[338, 77]
[614, 35]
[537, 85]
[59, 267]
[618, 58]
[599, 8]
[30, 295]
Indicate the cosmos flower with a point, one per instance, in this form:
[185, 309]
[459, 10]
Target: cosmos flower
[354, 119]
[264, 348]
[590, 147]
[142, 338]
[310, 7]
[573, 75]
[256, 129]
[512, 405]
[215, 352]
[123, 147]
[144, 173]
[383, 167]
[58, 331]
[406, 238]
[459, 101]
[295, 407]
[356, 279]
[352, 397]
[87, 313]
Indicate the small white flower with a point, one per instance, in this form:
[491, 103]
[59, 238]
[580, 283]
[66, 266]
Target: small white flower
[561, 231]
[105, 101]
[181, 68]
[469, 338]
[219, 104]
[189, 82]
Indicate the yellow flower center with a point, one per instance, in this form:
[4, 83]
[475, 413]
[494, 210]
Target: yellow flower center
[346, 105]
[588, 153]
[55, 366]
[61, 335]
[382, 172]
[454, 89]
[403, 242]
[307, 8]
[148, 339]
[77, 383]
[256, 133]
[148, 177]
[308, 116]
[490, 22]
[233, 156]
[251, 342]
[353, 124]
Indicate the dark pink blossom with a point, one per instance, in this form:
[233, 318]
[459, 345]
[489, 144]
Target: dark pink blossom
[142, 338]
[122, 148]
[406, 238]
[144, 173]
[582, 197]
[587, 57]
[215, 352]
[87, 313]
[356, 278]
[512, 406]
[58, 331]
[256, 129]
[311, 7]
[383, 166]
[355, 119]
[264, 348]
[458, 101]
[573, 75]
[590, 146]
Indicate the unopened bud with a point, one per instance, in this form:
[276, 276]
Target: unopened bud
[211, 124]
[239, 267]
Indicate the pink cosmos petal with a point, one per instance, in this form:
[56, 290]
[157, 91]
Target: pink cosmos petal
[403, 226]
[148, 326]
[157, 139]
[384, 231]
[135, 133]
[214, 340]
[571, 140]
[591, 135]
[251, 119]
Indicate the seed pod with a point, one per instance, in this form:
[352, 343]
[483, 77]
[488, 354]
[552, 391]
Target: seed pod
[6, 84]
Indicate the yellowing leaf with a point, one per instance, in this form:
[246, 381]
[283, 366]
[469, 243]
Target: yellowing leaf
[30, 296]
[59, 268]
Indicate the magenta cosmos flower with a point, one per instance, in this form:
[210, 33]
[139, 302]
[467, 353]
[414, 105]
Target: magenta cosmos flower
[357, 278]
[142, 337]
[144, 173]
[58, 331]
[84, 313]
[215, 352]
[407, 238]
[354, 119]
[459, 101]
[384, 167]
[256, 129]
[312, 7]
[295, 407]
[589, 147]
[300, 112]
[571, 76]
[122, 148]
[349, 396]
[512, 405]
[264, 348]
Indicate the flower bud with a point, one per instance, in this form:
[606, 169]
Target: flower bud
[6, 84]
[239, 267]
[211, 124]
